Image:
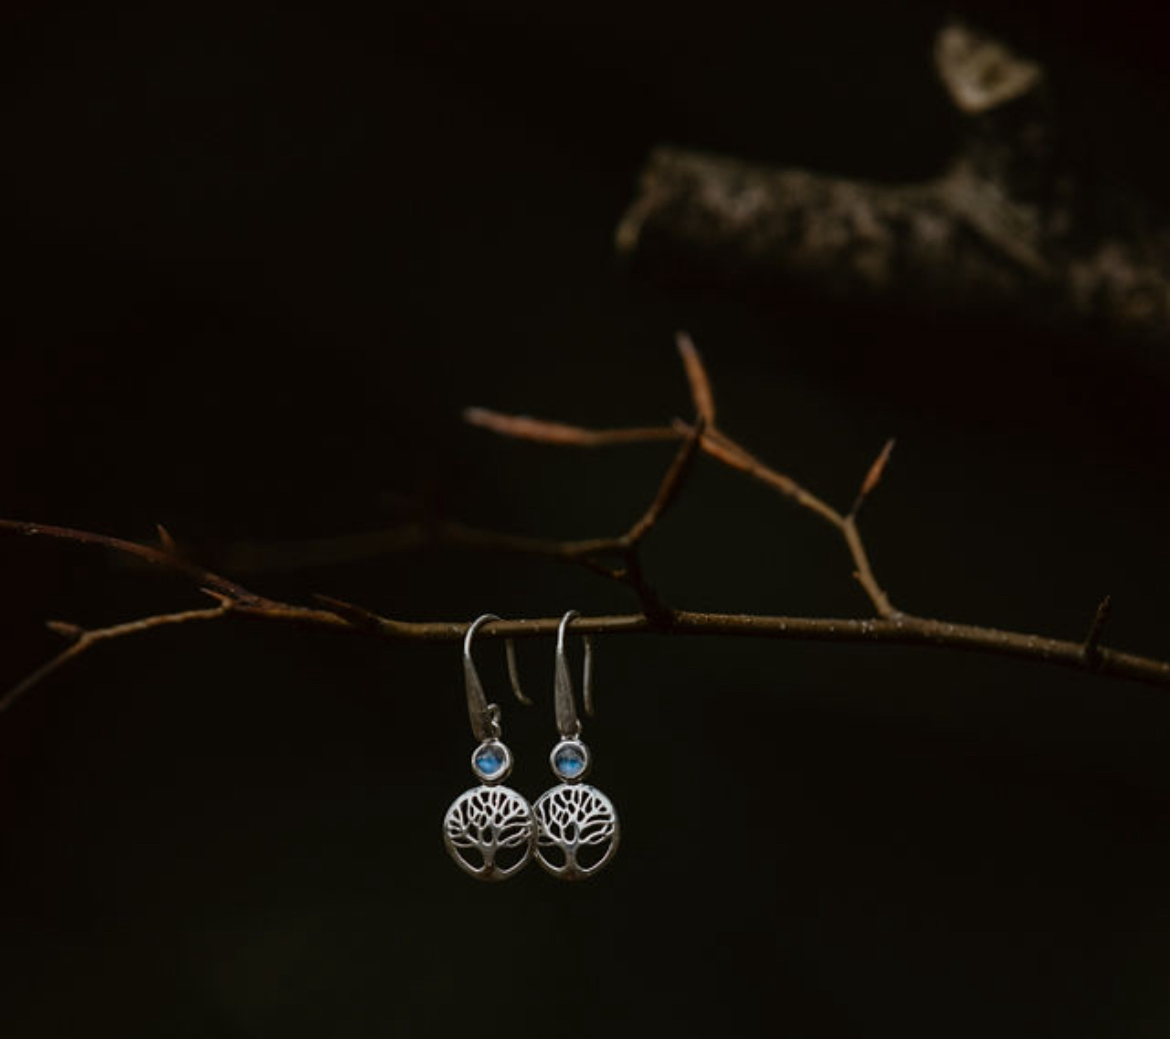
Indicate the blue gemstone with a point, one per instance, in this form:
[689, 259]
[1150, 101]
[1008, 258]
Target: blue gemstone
[489, 761]
[569, 760]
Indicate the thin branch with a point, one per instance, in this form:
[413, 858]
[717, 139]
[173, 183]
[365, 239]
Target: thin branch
[147, 553]
[899, 630]
[669, 488]
[864, 571]
[1091, 649]
[873, 477]
[700, 385]
[715, 443]
[84, 640]
[523, 427]
[890, 626]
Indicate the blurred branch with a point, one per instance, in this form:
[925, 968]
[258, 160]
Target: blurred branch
[889, 625]
[1004, 228]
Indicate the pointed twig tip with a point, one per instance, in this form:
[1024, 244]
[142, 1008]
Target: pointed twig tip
[65, 629]
[1092, 648]
[874, 476]
[697, 378]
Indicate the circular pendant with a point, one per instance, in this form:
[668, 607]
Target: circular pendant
[579, 830]
[490, 832]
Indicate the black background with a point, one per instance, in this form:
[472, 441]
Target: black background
[258, 264]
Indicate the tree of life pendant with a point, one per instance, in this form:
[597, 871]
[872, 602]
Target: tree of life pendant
[578, 824]
[490, 830]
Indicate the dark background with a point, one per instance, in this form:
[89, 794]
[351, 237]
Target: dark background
[258, 264]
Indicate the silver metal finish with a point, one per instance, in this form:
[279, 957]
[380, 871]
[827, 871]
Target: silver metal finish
[568, 724]
[489, 830]
[491, 762]
[578, 828]
[485, 717]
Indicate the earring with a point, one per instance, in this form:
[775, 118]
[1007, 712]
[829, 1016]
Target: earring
[489, 830]
[578, 825]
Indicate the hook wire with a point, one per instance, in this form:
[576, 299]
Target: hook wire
[484, 716]
[568, 723]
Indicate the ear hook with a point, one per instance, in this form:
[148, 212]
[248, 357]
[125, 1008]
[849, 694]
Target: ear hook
[568, 724]
[485, 717]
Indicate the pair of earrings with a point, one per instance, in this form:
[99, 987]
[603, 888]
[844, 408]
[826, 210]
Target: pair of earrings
[491, 831]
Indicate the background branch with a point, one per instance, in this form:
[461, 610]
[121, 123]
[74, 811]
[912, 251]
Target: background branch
[1005, 228]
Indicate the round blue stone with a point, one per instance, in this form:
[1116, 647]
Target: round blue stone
[489, 760]
[569, 760]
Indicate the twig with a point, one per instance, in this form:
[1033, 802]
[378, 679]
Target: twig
[873, 477]
[902, 630]
[147, 553]
[715, 443]
[524, 427]
[668, 489]
[700, 385]
[84, 640]
[890, 625]
[1091, 649]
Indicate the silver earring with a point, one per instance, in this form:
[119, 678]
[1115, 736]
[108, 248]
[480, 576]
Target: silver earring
[578, 825]
[489, 830]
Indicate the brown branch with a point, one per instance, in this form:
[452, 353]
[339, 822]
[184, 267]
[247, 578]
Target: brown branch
[84, 640]
[701, 392]
[721, 447]
[890, 626]
[873, 477]
[523, 427]
[900, 630]
[147, 553]
[1091, 649]
[1011, 225]
[669, 488]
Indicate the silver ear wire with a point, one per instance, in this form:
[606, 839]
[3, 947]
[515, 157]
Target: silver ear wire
[568, 723]
[578, 825]
[484, 716]
[490, 830]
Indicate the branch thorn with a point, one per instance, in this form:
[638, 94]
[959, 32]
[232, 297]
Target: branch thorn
[1092, 649]
[697, 377]
[65, 629]
[874, 476]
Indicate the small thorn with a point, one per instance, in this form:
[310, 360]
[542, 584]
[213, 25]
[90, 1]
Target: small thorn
[874, 476]
[1091, 648]
[358, 616]
[697, 378]
[66, 630]
[165, 540]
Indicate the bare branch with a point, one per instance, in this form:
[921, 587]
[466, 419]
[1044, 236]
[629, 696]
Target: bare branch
[147, 553]
[84, 640]
[890, 626]
[874, 476]
[669, 488]
[701, 392]
[523, 427]
[166, 541]
[1091, 648]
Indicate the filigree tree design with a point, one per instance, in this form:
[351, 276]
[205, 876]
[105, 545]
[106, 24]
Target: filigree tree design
[490, 820]
[573, 818]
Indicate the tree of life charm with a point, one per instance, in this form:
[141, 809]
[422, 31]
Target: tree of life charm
[490, 830]
[578, 824]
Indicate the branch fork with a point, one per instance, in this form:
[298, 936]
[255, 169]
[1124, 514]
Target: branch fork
[700, 435]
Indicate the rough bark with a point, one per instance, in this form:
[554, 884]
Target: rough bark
[1007, 228]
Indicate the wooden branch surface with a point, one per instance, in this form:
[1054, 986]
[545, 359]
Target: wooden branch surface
[889, 625]
[1001, 230]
